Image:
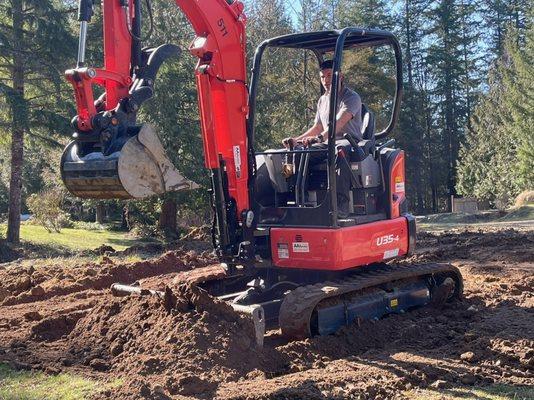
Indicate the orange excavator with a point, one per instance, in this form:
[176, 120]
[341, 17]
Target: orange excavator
[289, 260]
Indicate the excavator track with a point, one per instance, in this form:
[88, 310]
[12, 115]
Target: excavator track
[299, 304]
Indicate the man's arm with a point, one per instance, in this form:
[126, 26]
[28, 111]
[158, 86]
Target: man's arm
[312, 132]
[341, 120]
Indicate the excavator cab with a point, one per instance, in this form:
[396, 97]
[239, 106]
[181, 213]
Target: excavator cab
[112, 156]
[292, 188]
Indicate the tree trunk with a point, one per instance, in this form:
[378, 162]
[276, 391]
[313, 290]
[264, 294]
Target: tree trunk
[167, 218]
[17, 128]
[125, 225]
[100, 211]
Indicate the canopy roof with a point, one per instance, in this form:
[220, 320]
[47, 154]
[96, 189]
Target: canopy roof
[325, 41]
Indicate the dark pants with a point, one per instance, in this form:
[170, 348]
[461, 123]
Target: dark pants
[343, 173]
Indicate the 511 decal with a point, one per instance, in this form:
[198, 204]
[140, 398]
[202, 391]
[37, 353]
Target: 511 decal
[222, 27]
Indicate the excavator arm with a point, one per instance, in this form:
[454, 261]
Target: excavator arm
[112, 156]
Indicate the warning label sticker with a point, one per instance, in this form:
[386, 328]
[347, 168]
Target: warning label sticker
[391, 253]
[283, 250]
[399, 184]
[237, 161]
[301, 247]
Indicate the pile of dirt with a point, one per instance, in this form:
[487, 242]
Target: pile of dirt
[40, 283]
[185, 344]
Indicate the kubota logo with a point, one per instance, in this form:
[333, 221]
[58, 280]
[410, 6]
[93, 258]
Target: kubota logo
[382, 240]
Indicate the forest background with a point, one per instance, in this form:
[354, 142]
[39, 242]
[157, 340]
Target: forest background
[466, 120]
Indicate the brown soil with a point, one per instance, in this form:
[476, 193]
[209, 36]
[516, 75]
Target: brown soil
[62, 318]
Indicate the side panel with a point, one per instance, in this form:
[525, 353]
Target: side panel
[339, 249]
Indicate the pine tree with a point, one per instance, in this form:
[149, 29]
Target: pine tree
[33, 40]
[520, 101]
[499, 16]
[497, 160]
[449, 55]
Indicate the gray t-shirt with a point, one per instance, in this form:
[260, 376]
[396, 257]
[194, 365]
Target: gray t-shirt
[349, 101]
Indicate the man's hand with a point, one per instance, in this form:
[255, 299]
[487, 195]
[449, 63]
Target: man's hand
[313, 140]
[308, 141]
[288, 142]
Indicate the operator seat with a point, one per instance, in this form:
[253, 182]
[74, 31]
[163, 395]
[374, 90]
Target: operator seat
[367, 145]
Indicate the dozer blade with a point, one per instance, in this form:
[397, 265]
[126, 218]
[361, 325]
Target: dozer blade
[255, 311]
[140, 169]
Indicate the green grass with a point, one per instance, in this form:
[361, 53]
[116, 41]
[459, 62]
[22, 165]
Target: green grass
[77, 239]
[23, 385]
[494, 392]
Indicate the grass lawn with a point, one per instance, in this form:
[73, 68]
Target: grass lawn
[23, 385]
[77, 239]
[494, 392]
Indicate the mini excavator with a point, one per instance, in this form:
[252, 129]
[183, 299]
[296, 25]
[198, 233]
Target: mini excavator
[289, 261]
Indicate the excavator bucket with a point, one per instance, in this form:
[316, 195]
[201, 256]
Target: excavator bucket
[139, 169]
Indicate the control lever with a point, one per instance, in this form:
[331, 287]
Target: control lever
[390, 142]
[288, 168]
[351, 140]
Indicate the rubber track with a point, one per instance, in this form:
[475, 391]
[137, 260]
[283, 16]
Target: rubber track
[298, 305]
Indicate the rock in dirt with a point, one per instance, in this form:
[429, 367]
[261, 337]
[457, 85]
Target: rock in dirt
[32, 316]
[99, 365]
[4, 293]
[37, 291]
[468, 379]
[439, 384]
[22, 284]
[116, 348]
[468, 356]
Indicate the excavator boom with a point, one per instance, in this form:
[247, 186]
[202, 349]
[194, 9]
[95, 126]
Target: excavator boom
[128, 80]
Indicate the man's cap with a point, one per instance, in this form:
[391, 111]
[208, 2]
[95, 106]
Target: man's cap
[327, 64]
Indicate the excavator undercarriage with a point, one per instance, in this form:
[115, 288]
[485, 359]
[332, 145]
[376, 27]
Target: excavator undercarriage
[321, 308]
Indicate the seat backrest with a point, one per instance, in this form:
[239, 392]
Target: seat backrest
[368, 124]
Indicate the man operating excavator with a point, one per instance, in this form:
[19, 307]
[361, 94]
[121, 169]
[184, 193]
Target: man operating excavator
[286, 260]
[348, 121]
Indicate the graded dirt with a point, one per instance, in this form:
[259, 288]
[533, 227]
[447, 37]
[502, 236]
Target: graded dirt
[61, 317]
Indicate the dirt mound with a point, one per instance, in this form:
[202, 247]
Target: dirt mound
[36, 284]
[54, 328]
[500, 245]
[185, 349]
